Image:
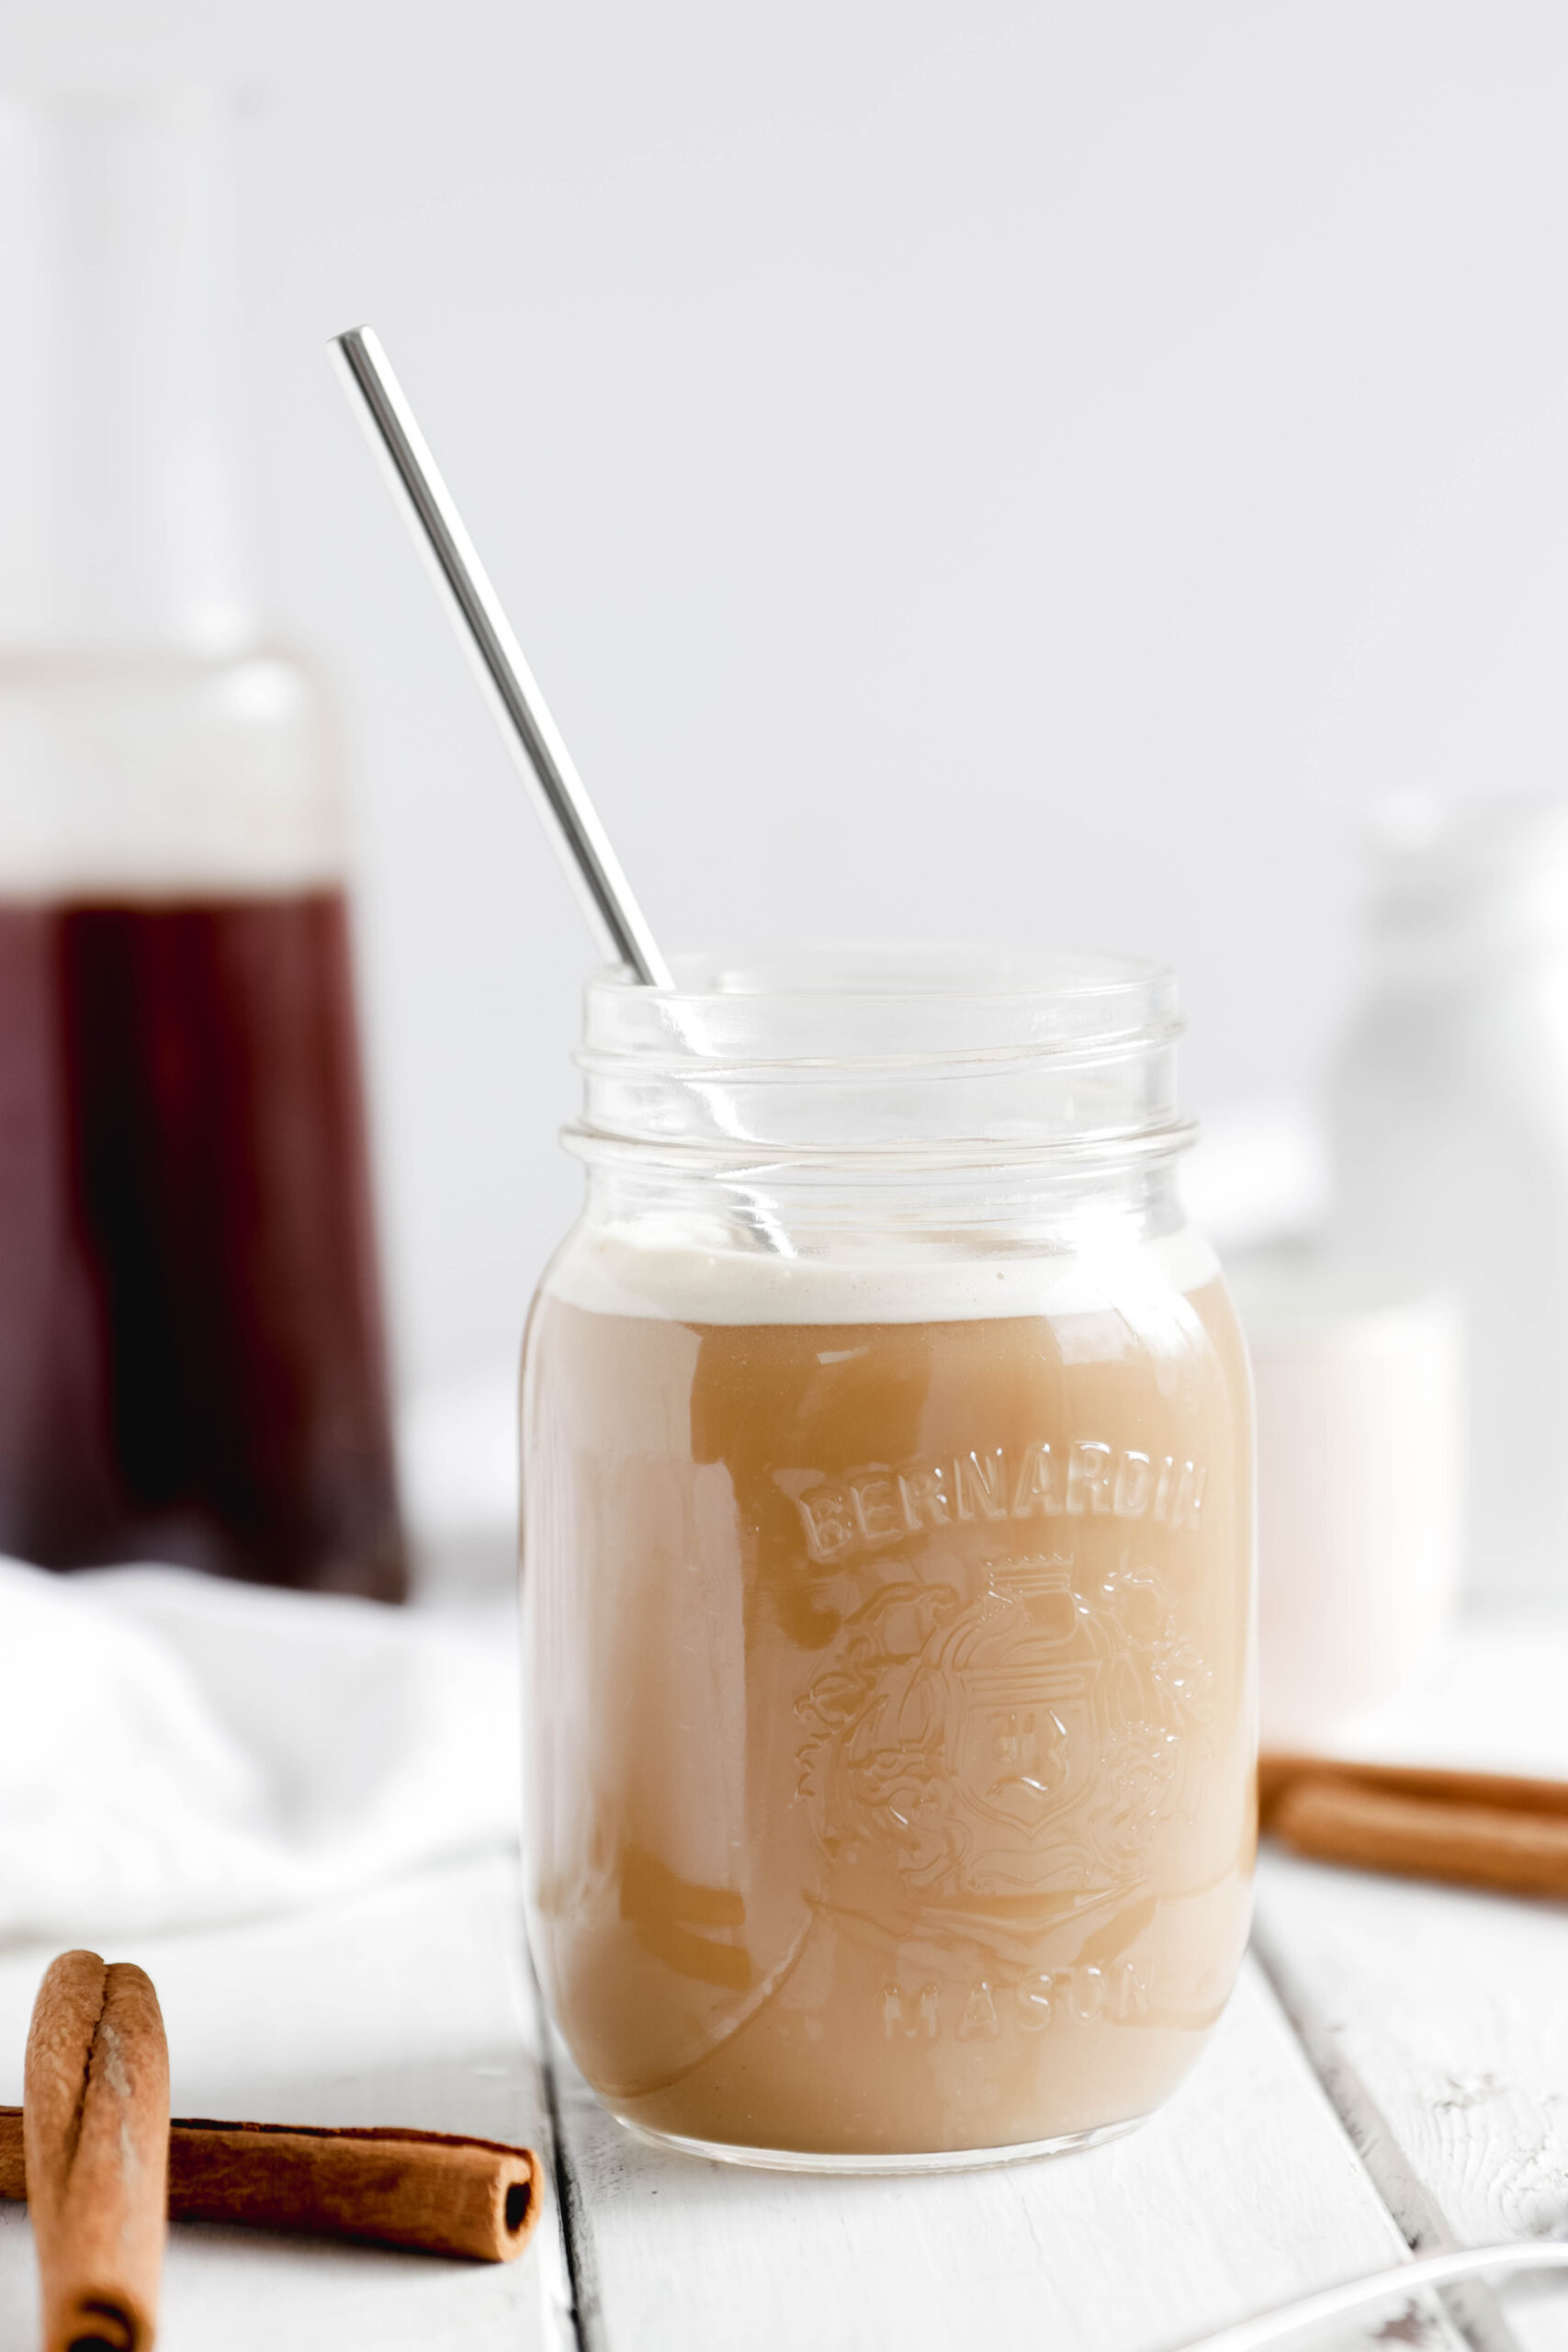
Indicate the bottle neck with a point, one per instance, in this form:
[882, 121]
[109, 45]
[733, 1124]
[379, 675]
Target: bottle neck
[1476, 890]
[119, 524]
[1458, 945]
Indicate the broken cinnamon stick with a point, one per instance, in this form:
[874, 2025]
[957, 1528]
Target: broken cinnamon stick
[1505, 1834]
[95, 2137]
[423, 2190]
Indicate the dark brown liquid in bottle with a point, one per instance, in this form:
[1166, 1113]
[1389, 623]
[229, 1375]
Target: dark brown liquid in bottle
[192, 1364]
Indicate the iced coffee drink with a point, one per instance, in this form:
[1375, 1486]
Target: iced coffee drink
[887, 1554]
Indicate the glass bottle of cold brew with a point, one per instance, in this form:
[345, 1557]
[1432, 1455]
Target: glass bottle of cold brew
[192, 1364]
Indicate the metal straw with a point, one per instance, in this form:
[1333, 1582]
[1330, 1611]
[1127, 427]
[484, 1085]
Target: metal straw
[568, 815]
[1385, 2286]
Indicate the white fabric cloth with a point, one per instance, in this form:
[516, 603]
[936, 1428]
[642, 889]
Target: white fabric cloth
[181, 1751]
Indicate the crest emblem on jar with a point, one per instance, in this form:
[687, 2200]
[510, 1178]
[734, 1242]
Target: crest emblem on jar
[1022, 1743]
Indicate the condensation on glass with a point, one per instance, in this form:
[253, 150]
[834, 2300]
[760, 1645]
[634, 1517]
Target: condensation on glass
[887, 1534]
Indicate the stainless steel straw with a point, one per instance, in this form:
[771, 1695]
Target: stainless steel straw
[1385, 2286]
[537, 743]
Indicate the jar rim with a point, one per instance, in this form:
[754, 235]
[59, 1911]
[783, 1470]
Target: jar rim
[910, 1004]
[850, 1059]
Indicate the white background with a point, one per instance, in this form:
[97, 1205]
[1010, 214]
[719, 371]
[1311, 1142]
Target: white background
[959, 470]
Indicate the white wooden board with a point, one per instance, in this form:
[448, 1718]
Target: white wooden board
[1439, 2021]
[1244, 2193]
[403, 2006]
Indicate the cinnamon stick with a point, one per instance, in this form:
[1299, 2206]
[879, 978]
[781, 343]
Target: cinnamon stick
[423, 2190]
[95, 2135]
[1441, 1784]
[1504, 1834]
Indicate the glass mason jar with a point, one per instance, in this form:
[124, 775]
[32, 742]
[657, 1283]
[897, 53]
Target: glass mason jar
[887, 1566]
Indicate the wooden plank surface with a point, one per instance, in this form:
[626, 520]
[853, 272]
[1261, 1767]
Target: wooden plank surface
[1439, 2021]
[402, 2006]
[1244, 2193]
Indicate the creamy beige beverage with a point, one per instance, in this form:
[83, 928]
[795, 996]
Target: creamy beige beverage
[890, 1625]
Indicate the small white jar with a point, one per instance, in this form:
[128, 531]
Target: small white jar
[1359, 1404]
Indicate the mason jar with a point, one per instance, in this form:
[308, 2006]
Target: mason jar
[887, 1566]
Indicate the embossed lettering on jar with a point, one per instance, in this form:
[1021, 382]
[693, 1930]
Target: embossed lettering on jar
[887, 1566]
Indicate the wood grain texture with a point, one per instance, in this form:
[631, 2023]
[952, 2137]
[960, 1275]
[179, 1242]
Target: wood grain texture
[1439, 2022]
[1243, 2193]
